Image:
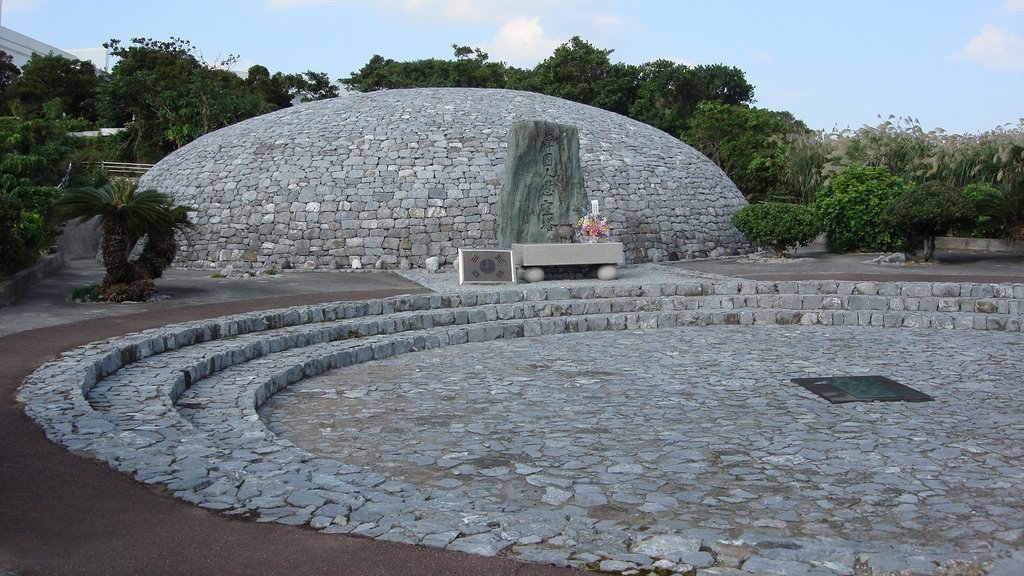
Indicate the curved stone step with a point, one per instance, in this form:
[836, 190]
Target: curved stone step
[728, 302]
[177, 405]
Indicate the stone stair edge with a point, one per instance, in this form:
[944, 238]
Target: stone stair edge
[124, 350]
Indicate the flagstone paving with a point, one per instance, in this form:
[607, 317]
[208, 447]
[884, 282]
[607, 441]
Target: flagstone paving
[585, 446]
[644, 424]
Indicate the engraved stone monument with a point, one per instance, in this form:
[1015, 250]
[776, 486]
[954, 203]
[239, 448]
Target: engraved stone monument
[543, 183]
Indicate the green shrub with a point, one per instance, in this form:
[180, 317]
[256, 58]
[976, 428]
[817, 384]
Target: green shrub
[86, 294]
[851, 206]
[778, 225]
[927, 211]
[26, 226]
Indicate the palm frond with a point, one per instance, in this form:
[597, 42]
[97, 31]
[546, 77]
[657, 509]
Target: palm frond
[85, 203]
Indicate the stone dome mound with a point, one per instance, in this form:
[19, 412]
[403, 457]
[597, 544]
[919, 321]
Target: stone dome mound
[394, 177]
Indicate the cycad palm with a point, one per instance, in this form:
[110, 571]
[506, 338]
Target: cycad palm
[161, 245]
[1005, 206]
[126, 214]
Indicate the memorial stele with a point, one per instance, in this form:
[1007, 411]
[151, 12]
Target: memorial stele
[543, 183]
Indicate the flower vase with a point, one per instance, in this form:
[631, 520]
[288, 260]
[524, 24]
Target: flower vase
[565, 232]
[591, 239]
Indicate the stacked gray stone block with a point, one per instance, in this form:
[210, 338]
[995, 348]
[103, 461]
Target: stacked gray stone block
[395, 177]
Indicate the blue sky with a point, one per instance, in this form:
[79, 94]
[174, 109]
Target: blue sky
[954, 64]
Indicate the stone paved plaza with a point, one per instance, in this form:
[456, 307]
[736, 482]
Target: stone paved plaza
[643, 424]
[594, 440]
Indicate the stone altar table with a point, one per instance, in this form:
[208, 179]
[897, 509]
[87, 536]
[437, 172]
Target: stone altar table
[532, 258]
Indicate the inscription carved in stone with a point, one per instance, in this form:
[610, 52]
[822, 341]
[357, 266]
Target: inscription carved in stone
[543, 183]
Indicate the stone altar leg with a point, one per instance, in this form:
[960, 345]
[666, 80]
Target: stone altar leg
[607, 272]
[532, 274]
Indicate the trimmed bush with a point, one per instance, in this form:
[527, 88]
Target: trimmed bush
[928, 211]
[778, 225]
[851, 206]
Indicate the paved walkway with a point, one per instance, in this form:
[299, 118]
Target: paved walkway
[814, 263]
[63, 514]
[729, 488]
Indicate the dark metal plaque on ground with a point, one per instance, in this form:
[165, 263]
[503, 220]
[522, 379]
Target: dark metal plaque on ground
[839, 389]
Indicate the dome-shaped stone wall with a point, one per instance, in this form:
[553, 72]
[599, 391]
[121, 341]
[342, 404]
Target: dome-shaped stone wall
[395, 177]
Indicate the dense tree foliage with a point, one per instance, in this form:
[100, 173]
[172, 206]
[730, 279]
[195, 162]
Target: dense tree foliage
[54, 87]
[662, 93]
[851, 206]
[36, 151]
[33, 160]
[668, 93]
[312, 85]
[580, 72]
[8, 72]
[470, 69]
[274, 91]
[749, 144]
[166, 96]
[27, 226]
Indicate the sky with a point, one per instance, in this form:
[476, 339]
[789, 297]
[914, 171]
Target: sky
[957, 65]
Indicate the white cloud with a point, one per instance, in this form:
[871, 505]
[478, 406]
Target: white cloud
[762, 56]
[289, 4]
[996, 48]
[611, 25]
[493, 11]
[20, 5]
[609, 20]
[522, 42]
[458, 11]
[1014, 5]
[683, 61]
[520, 39]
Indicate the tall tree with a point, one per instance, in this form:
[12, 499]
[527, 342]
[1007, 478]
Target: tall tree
[581, 72]
[659, 99]
[669, 93]
[473, 69]
[8, 72]
[312, 85]
[749, 144]
[470, 69]
[53, 86]
[273, 90]
[166, 96]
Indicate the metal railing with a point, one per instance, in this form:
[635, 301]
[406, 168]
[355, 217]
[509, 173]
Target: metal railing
[129, 169]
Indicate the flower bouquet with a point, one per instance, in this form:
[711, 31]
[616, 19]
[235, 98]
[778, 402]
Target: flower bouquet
[593, 227]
